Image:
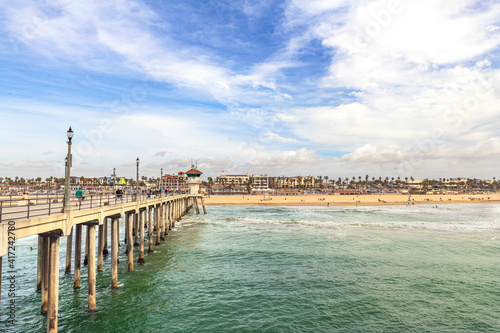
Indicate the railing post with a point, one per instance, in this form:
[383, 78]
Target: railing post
[28, 209]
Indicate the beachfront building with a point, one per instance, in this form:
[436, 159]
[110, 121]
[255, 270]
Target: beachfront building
[259, 181]
[225, 179]
[306, 182]
[174, 182]
[230, 184]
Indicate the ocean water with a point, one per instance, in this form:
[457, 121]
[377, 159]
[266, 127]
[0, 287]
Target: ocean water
[291, 269]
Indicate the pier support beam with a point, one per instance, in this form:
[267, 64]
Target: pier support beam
[53, 299]
[126, 230]
[136, 229]
[69, 246]
[195, 200]
[91, 264]
[177, 210]
[100, 246]
[78, 256]
[167, 218]
[105, 247]
[128, 236]
[45, 274]
[86, 257]
[39, 263]
[203, 205]
[142, 215]
[114, 252]
[157, 223]
[163, 222]
[150, 230]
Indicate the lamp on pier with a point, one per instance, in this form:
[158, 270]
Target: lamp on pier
[137, 183]
[68, 163]
[161, 183]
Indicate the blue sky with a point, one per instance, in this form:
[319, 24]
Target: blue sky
[319, 87]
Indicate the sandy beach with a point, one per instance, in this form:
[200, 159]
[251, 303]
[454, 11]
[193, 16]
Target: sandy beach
[348, 200]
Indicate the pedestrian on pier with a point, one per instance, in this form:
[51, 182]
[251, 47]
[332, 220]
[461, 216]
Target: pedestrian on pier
[79, 197]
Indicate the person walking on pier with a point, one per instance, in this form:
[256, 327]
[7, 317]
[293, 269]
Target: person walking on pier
[79, 197]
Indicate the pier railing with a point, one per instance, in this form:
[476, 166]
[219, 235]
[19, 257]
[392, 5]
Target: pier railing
[16, 208]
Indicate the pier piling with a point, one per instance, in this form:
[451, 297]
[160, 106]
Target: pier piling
[91, 266]
[142, 215]
[157, 223]
[203, 205]
[78, 256]
[163, 220]
[130, 248]
[86, 257]
[150, 230]
[39, 263]
[69, 245]
[53, 297]
[114, 252]
[105, 246]
[196, 206]
[45, 274]
[100, 246]
[136, 229]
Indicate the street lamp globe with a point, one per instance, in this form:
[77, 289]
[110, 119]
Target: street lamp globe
[137, 160]
[70, 133]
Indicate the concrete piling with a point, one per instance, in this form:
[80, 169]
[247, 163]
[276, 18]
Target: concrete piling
[163, 222]
[142, 215]
[195, 202]
[136, 229]
[53, 297]
[100, 246]
[150, 230]
[78, 256]
[91, 270]
[158, 224]
[85, 258]
[130, 249]
[105, 246]
[39, 263]
[114, 252]
[45, 274]
[69, 243]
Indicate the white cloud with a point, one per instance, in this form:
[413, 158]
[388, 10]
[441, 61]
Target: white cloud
[269, 136]
[287, 158]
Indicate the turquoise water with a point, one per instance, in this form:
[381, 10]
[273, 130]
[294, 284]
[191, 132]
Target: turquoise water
[292, 269]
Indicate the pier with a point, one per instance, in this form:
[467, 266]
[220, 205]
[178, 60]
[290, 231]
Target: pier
[51, 222]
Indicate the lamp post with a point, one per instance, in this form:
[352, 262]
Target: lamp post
[114, 180]
[137, 183]
[68, 160]
[161, 183]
